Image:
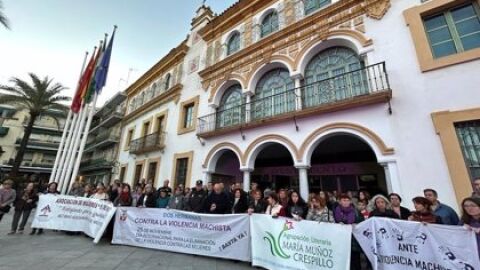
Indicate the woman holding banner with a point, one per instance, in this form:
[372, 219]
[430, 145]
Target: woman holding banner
[274, 208]
[52, 189]
[124, 198]
[100, 194]
[423, 211]
[297, 208]
[319, 211]
[382, 208]
[471, 217]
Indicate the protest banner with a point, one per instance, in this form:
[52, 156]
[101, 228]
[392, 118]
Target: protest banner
[222, 236]
[279, 243]
[75, 214]
[397, 244]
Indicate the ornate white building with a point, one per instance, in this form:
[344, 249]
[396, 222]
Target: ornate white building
[316, 95]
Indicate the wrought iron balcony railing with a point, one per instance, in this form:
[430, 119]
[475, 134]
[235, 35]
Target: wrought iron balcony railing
[149, 143]
[367, 85]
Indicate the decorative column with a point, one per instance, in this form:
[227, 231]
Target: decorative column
[207, 177]
[298, 91]
[391, 175]
[303, 181]
[248, 107]
[246, 179]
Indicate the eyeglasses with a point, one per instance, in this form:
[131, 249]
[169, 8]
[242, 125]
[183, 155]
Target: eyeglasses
[470, 205]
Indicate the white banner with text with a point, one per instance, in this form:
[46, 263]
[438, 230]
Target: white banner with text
[279, 243]
[222, 236]
[75, 214]
[396, 244]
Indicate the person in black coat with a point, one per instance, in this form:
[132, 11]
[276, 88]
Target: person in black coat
[218, 202]
[148, 198]
[401, 211]
[297, 207]
[23, 207]
[240, 202]
[257, 204]
[196, 202]
[381, 208]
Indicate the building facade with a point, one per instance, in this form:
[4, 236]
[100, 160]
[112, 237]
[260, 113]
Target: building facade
[315, 95]
[42, 146]
[99, 160]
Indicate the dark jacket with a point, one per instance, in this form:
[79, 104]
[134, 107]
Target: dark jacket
[222, 202]
[125, 201]
[241, 206]
[259, 207]
[197, 200]
[387, 214]
[150, 203]
[300, 210]
[21, 201]
[404, 213]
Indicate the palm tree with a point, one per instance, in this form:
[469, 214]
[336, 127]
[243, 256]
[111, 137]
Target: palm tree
[3, 19]
[41, 97]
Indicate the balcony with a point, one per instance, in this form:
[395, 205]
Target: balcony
[108, 119]
[357, 88]
[149, 143]
[96, 164]
[36, 144]
[102, 140]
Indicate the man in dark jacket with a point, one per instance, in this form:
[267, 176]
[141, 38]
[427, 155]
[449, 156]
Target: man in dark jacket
[218, 202]
[196, 203]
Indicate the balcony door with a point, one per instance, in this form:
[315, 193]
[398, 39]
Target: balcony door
[332, 75]
[230, 112]
[274, 94]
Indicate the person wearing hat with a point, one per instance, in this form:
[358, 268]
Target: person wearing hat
[423, 211]
[196, 202]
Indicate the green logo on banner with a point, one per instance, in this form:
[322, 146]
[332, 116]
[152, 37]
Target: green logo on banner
[275, 246]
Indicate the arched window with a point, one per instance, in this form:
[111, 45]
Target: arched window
[166, 84]
[233, 44]
[269, 24]
[231, 112]
[312, 5]
[334, 74]
[274, 94]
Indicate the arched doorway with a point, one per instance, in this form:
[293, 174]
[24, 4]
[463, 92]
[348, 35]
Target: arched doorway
[344, 162]
[332, 75]
[274, 168]
[227, 169]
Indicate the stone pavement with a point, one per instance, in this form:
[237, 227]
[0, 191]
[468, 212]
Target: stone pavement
[56, 250]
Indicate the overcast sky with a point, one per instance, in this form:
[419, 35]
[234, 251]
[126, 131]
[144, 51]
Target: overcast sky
[50, 37]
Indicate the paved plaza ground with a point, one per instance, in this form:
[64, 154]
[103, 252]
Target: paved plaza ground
[55, 250]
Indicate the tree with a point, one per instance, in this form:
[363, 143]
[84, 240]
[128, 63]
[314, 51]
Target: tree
[40, 97]
[3, 18]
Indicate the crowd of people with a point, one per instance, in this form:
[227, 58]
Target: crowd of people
[347, 208]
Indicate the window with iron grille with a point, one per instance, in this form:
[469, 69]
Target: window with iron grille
[454, 30]
[233, 44]
[469, 136]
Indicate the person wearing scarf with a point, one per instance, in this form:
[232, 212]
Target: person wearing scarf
[423, 211]
[124, 198]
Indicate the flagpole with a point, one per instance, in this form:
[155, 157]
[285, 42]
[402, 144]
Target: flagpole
[65, 128]
[74, 148]
[84, 139]
[68, 142]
